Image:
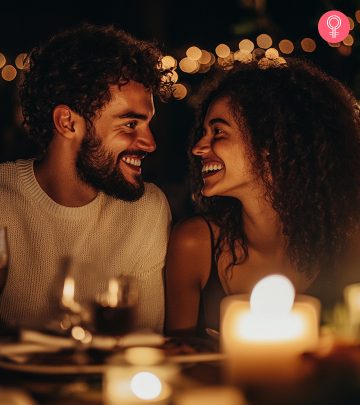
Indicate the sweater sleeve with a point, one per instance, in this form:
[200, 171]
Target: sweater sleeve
[150, 266]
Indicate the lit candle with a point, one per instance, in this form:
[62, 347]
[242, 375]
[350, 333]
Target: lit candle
[264, 335]
[139, 376]
[352, 301]
[68, 295]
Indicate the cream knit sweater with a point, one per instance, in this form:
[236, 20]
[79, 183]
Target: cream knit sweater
[115, 236]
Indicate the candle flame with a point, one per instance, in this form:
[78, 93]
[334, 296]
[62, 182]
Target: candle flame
[146, 385]
[272, 296]
[68, 292]
[113, 292]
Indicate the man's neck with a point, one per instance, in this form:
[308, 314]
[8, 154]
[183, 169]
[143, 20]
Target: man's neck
[56, 175]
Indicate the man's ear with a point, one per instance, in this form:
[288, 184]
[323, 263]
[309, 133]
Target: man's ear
[67, 123]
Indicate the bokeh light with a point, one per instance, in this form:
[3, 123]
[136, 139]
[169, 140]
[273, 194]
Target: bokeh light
[349, 40]
[264, 41]
[194, 53]
[2, 60]
[222, 51]
[188, 65]
[205, 58]
[345, 50]
[308, 45]
[9, 73]
[286, 46]
[246, 45]
[20, 61]
[352, 24]
[179, 91]
[357, 15]
[168, 62]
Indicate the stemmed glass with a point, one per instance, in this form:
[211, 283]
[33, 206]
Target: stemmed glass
[4, 256]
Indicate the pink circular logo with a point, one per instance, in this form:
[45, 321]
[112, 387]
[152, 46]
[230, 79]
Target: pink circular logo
[334, 26]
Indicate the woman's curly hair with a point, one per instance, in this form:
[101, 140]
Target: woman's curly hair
[76, 67]
[309, 125]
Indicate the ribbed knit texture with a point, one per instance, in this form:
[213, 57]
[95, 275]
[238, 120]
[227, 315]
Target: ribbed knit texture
[114, 236]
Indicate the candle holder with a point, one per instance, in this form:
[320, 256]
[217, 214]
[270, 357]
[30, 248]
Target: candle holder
[265, 333]
[139, 376]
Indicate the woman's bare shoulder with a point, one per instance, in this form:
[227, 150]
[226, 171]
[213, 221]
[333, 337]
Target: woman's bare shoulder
[191, 231]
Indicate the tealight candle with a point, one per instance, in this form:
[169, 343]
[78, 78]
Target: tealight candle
[139, 376]
[263, 335]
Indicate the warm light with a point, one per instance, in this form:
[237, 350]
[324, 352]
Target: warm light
[352, 24]
[352, 301]
[78, 333]
[264, 41]
[146, 385]
[188, 65]
[205, 57]
[345, 50]
[194, 53]
[2, 60]
[286, 46]
[68, 292]
[113, 292]
[349, 40]
[213, 59]
[308, 45]
[222, 51]
[357, 15]
[179, 91]
[272, 296]
[246, 45]
[20, 60]
[243, 56]
[168, 62]
[226, 63]
[9, 73]
[334, 44]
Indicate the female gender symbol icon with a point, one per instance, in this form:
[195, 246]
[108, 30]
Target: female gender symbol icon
[335, 27]
[337, 22]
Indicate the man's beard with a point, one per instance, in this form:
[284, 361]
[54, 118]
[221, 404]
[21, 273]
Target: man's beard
[101, 169]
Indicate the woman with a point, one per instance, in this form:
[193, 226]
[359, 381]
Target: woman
[276, 174]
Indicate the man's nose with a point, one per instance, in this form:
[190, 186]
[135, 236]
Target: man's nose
[146, 141]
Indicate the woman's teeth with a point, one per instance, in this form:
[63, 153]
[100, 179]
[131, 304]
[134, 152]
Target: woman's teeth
[211, 168]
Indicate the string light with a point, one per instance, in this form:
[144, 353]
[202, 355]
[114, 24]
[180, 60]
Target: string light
[179, 91]
[188, 65]
[20, 60]
[349, 40]
[168, 62]
[194, 53]
[264, 41]
[205, 58]
[246, 45]
[8, 73]
[352, 24]
[308, 45]
[222, 51]
[286, 46]
[357, 15]
[2, 60]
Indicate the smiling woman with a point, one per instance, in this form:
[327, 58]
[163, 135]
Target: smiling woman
[276, 180]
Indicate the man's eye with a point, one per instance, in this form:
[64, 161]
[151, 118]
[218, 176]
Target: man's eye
[131, 124]
[218, 131]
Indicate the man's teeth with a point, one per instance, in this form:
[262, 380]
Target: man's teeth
[132, 161]
[211, 167]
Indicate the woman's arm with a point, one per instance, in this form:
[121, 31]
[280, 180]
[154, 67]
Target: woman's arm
[187, 270]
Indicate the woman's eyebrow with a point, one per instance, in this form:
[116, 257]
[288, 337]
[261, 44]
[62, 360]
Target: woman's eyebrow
[218, 121]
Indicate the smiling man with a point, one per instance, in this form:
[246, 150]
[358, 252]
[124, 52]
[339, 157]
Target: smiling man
[87, 100]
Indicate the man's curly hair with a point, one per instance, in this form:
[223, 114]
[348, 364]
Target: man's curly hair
[309, 125]
[77, 67]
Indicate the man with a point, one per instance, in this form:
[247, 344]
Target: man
[87, 100]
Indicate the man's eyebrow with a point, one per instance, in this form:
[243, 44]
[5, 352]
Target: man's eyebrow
[131, 114]
[218, 121]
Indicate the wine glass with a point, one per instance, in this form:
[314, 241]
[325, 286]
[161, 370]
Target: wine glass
[115, 306]
[4, 256]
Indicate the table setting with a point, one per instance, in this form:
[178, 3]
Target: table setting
[264, 353]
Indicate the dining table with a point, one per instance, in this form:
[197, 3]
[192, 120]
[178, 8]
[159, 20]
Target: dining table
[61, 377]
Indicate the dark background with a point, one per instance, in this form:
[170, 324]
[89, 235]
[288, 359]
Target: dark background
[176, 26]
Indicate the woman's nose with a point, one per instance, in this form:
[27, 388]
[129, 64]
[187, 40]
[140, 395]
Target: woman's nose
[202, 147]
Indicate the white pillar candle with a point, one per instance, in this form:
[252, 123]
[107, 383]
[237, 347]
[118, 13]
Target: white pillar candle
[263, 335]
[352, 302]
